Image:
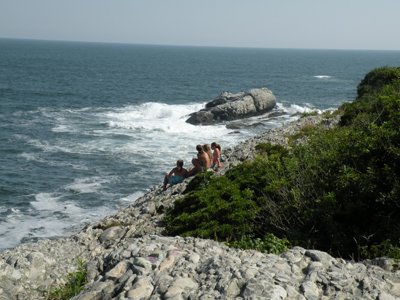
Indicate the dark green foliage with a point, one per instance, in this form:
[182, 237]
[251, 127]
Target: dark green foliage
[339, 192]
[269, 149]
[385, 248]
[222, 211]
[369, 104]
[376, 79]
[200, 181]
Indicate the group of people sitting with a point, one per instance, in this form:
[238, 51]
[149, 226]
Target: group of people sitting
[208, 158]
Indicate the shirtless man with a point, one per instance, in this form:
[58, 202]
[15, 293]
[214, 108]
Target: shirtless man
[176, 175]
[201, 163]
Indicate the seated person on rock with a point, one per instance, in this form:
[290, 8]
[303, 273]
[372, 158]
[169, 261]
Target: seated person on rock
[176, 175]
[201, 163]
[207, 149]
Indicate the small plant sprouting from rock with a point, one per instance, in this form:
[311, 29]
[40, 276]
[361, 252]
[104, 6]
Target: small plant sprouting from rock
[74, 285]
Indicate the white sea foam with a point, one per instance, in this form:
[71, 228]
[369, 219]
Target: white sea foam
[132, 198]
[294, 109]
[48, 202]
[45, 146]
[50, 215]
[322, 76]
[37, 158]
[63, 128]
[87, 185]
[159, 131]
[44, 223]
[30, 157]
[152, 116]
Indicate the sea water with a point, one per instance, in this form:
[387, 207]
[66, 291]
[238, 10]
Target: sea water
[87, 128]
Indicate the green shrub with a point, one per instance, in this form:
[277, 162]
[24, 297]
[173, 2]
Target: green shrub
[376, 79]
[200, 181]
[269, 244]
[222, 211]
[372, 103]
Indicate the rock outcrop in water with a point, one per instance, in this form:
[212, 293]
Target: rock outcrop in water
[228, 107]
[128, 257]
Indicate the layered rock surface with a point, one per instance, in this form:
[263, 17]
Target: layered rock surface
[228, 106]
[128, 258]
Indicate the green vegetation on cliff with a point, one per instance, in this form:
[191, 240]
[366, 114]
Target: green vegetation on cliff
[339, 192]
[75, 283]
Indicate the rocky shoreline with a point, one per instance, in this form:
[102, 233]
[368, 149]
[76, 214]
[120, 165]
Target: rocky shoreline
[128, 257]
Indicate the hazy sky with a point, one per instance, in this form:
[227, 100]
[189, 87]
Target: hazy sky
[329, 24]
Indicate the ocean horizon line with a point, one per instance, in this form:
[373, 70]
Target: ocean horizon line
[194, 45]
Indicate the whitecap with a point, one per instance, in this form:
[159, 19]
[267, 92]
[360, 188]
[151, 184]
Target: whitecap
[151, 116]
[46, 201]
[322, 76]
[62, 128]
[87, 185]
[30, 157]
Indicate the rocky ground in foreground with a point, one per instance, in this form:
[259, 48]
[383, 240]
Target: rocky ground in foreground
[128, 257]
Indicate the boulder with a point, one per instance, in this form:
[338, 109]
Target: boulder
[229, 106]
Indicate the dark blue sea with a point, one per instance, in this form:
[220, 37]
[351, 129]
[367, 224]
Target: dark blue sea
[86, 128]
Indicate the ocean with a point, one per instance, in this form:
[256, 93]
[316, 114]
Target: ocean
[87, 128]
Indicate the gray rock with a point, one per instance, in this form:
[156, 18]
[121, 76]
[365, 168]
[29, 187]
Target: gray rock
[112, 234]
[142, 289]
[181, 287]
[228, 107]
[118, 271]
[310, 290]
[320, 256]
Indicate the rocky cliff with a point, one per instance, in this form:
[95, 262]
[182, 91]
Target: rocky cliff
[128, 257]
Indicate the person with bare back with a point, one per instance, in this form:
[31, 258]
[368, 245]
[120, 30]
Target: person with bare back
[207, 149]
[216, 156]
[201, 163]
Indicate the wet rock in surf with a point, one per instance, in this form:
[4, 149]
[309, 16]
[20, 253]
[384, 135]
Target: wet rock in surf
[228, 106]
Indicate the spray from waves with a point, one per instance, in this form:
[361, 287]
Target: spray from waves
[294, 109]
[160, 131]
[153, 116]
